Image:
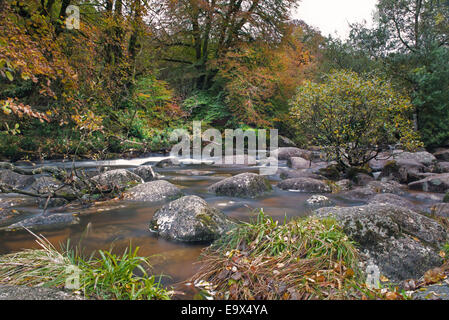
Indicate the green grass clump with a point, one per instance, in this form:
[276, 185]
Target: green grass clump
[108, 277]
[303, 259]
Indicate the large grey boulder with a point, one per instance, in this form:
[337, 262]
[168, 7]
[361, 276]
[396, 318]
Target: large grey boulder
[154, 191]
[116, 179]
[403, 171]
[305, 185]
[244, 185]
[422, 157]
[435, 183]
[401, 242]
[298, 163]
[289, 152]
[190, 219]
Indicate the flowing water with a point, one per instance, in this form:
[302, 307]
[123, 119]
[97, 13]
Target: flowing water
[115, 225]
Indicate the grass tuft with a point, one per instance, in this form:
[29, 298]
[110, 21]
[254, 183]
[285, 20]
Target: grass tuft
[303, 259]
[108, 277]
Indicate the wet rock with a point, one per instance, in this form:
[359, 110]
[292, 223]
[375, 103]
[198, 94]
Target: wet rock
[342, 185]
[290, 174]
[45, 222]
[442, 154]
[24, 163]
[45, 185]
[370, 190]
[435, 183]
[8, 216]
[298, 163]
[14, 180]
[422, 157]
[146, 173]
[403, 171]
[236, 161]
[190, 219]
[117, 179]
[305, 185]
[287, 153]
[318, 201]
[35, 293]
[168, 163]
[244, 185]
[154, 191]
[403, 243]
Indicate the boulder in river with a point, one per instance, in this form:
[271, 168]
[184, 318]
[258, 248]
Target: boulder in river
[401, 242]
[403, 171]
[117, 179]
[146, 172]
[190, 219]
[302, 173]
[168, 163]
[435, 183]
[244, 185]
[422, 157]
[394, 199]
[305, 185]
[298, 163]
[154, 191]
[289, 152]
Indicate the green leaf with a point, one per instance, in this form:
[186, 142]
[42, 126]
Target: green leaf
[9, 76]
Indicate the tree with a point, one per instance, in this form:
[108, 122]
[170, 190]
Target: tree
[353, 118]
[192, 32]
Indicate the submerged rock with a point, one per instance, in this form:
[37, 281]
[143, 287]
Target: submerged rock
[244, 185]
[117, 179]
[305, 185]
[403, 243]
[45, 222]
[154, 191]
[190, 219]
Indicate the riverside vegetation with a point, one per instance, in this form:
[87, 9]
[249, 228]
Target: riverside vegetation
[364, 158]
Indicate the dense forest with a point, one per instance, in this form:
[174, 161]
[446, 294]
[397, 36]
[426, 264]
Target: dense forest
[135, 69]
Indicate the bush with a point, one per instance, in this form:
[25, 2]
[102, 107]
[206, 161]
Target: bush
[353, 118]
